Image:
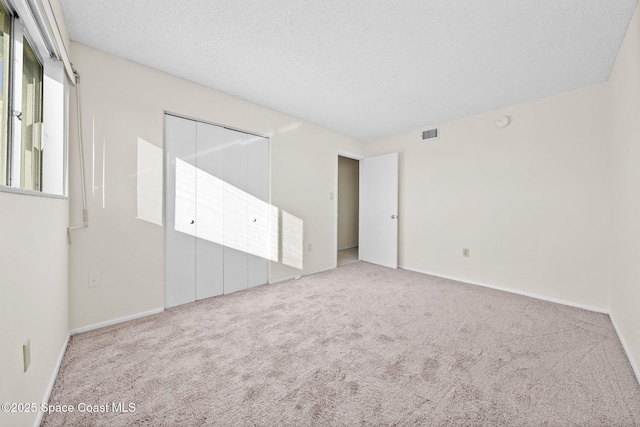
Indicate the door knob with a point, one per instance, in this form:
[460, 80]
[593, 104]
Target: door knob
[394, 216]
[192, 221]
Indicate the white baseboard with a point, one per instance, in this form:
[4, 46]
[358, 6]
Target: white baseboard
[626, 349]
[347, 247]
[513, 291]
[115, 321]
[283, 279]
[319, 271]
[52, 381]
[297, 276]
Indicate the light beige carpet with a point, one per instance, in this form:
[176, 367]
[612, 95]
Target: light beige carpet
[359, 345]
[347, 256]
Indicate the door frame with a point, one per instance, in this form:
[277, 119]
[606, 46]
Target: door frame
[358, 157]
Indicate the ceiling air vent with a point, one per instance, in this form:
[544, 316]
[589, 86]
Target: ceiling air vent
[431, 134]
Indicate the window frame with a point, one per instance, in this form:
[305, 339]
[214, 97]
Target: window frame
[16, 108]
[53, 173]
[5, 138]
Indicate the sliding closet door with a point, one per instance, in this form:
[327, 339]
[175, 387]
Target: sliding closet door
[209, 211]
[235, 211]
[180, 210]
[259, 238]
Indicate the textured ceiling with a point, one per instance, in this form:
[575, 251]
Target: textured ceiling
[366, 68]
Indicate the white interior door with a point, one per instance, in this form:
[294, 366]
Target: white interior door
[378, 232]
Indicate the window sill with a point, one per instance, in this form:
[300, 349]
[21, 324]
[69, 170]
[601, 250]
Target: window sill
[14, 190]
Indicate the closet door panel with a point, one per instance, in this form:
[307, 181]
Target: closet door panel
[257, 271]
[259, 235]
[235, 270]
[180, 241]
[209, 211]
[235, 216]
[258, 167]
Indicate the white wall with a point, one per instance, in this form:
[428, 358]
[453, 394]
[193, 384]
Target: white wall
[530, 201]
[123, 101]
[625, 289]
[348, 202]
[34, 290]
[33, 275]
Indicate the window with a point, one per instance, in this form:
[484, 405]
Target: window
[32, 103]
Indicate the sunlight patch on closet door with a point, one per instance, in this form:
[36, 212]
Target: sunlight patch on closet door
[211, 209]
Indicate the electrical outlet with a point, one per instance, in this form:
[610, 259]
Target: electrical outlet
[94, 280]
[330, 196]
[26, 354]
[310, 247]
[465, 252]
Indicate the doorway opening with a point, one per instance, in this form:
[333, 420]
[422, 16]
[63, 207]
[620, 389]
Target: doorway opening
[348, 210]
